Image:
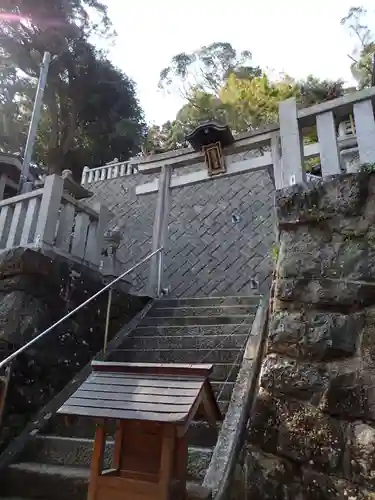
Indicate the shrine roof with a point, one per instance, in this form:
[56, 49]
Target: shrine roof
[166, 393]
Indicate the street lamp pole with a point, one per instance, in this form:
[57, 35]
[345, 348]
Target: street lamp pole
[25, 181]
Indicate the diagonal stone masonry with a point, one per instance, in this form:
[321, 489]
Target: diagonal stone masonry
[207, 253]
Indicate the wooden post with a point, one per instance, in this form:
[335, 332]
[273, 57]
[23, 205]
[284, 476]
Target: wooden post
[181, 460]
[329, 153]
[166, 462]
[119, 436]
[97, 460]
[293, 170]
[49, 210]
[365, 130]
[160, 231]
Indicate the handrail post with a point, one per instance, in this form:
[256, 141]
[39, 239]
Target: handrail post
[160, 268]
[109, 303]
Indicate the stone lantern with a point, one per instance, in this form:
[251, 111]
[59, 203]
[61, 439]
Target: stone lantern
[110, 266]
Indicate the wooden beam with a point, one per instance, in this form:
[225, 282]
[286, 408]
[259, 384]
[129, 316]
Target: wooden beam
[251, 164]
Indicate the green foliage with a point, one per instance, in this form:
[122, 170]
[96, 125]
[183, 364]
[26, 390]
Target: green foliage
[217, 83]
[91, 113]
[207, 69]
[368, 168]
[363, 53]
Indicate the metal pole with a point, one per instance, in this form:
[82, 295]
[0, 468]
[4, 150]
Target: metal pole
[160, 268]
[107, 319]
[25, 184]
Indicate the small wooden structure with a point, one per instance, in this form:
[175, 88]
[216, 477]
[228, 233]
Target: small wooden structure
[154, 405]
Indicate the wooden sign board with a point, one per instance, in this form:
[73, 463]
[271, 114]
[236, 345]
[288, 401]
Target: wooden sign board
[213, 155]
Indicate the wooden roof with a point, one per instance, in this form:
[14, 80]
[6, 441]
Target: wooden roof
[172, 393]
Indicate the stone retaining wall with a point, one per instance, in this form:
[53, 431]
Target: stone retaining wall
[35, 292]
[312, 429]
[220, 235]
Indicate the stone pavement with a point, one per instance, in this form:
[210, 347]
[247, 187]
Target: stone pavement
[221, 232]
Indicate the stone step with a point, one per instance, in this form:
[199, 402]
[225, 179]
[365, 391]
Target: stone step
[241, 319]
[45, 482]
[200, 433]
[153, 355]
[158, 342]
[33, 481]
[181, 312]
[192, 331]
[75, 452]
[209, 301]
[221, 371]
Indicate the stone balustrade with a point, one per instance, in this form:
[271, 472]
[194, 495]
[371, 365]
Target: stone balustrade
[108, 171]
[52, 220]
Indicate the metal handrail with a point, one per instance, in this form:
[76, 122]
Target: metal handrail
[10, 358]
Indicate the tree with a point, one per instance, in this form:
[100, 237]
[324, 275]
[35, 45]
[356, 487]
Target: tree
[83, 88]
[15, 109]
[207, 69]
[364, 50]
[108, 120]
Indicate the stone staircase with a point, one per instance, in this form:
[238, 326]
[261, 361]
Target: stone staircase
[215, 330]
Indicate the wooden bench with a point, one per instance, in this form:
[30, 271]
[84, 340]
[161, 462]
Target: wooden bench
[153, 405]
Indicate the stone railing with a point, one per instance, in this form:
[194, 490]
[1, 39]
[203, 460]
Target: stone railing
[354, 145]
[346, 139]
[50, 219]
[108, 171]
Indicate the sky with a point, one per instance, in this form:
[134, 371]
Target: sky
[292, 36]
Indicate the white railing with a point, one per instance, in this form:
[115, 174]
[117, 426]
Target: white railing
[50, 219]
[108, 171]
[353, 146]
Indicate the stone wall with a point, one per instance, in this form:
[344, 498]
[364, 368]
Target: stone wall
[35, 292]
[312, 428]
[221, 232]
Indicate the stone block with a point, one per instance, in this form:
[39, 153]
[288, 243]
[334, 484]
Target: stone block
[269, 477]
[297, 431]
[318, 251]
[343, 195]
[363, 454]
[347, 396]
[283, 376]
[265, 421]
[307, 436]
[318, 486]
[325, 292]
[314, 335]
